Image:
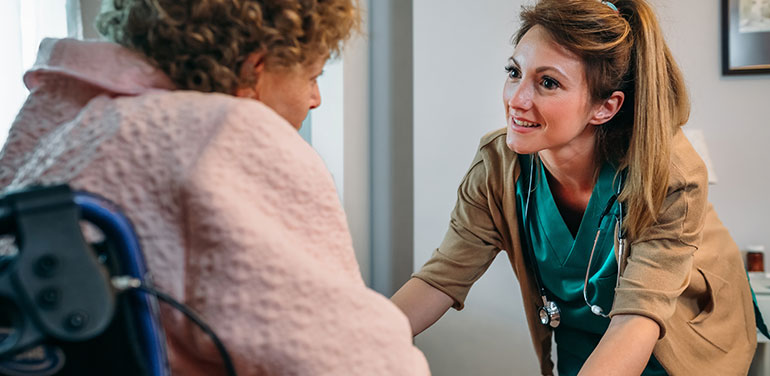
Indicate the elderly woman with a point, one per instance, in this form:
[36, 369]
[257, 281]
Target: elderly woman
[187, 118]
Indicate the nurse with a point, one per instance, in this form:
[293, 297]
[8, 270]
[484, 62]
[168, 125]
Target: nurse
[601, 204]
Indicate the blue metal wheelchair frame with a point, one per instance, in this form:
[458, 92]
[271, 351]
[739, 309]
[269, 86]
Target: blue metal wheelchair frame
[91, 303]
[59, 292]
[110, 220]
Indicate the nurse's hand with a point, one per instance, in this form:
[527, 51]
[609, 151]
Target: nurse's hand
[625, 348]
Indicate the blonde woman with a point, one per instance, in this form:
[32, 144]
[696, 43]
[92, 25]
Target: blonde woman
[188, 119]
[601, 204]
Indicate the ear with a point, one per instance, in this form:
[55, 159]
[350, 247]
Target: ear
[250, 72]
[608, 108]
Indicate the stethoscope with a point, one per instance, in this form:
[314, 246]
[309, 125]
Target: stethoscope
[549, 313]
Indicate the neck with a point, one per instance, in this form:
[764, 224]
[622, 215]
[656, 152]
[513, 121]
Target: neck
[572, 170]
[571, 177]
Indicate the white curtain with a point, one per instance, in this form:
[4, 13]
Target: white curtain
[23, 24]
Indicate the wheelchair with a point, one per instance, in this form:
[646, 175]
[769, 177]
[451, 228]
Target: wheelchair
[69, 307]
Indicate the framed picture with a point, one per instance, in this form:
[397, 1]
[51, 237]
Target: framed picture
[745, 36]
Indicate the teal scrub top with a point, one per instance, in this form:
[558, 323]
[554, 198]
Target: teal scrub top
[562, 261]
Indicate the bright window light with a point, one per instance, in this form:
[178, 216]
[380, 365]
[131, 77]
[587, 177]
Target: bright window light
[23, 24]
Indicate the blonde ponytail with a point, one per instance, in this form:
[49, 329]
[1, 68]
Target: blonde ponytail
[661, 105]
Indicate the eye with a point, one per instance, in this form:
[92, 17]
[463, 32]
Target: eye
[513, 72]
[549, 83]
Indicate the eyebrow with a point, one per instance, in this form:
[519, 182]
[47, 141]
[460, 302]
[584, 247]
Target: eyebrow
[541, 69]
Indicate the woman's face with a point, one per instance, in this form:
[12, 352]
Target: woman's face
[291, 92]
[546, 98]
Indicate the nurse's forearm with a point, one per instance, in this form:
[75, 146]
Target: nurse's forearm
[421, 303]
[625, 348]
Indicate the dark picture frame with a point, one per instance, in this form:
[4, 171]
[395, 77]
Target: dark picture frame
[745, 37]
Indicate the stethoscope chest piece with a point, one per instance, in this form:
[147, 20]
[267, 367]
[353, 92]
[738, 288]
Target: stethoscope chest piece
[550, 314]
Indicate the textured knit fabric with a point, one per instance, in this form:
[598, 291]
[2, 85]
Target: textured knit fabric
[237, 215]
[685, 272]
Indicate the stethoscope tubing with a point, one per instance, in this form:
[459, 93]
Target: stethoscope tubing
[527, 235]
[595, 309]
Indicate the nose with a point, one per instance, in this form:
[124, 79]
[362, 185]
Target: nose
[519, 95]
[315, 97]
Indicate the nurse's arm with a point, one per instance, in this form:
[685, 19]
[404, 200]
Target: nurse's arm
[422, 303]
[625, 347]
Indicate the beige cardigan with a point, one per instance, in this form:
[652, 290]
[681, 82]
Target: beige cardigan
[686, 273]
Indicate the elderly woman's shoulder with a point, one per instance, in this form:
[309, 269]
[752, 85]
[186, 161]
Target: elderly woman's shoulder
[192, 107]
[182, 126]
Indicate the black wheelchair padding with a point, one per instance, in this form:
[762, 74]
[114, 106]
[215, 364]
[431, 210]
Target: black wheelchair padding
[56, 290]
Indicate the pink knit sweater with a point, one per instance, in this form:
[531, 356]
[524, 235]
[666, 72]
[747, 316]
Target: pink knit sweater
[237, 215]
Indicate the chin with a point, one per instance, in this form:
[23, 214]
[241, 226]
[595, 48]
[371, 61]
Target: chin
[295, 124]
[516, 146]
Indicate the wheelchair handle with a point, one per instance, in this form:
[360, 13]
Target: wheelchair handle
[56, 285]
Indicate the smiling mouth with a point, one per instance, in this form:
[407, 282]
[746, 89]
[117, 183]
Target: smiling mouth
[525, 124]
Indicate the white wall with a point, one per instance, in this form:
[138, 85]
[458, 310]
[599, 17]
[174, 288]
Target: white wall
[733, 113]
[339, 133]
[355, 140]
[327, 121]
[460, 49]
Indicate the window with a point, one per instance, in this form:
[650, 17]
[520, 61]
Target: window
[23, 24]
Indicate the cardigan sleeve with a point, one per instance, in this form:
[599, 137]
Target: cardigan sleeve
[660, 261]
[472, 240]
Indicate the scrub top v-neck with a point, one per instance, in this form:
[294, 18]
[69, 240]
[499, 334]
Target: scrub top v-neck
[562, 260]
